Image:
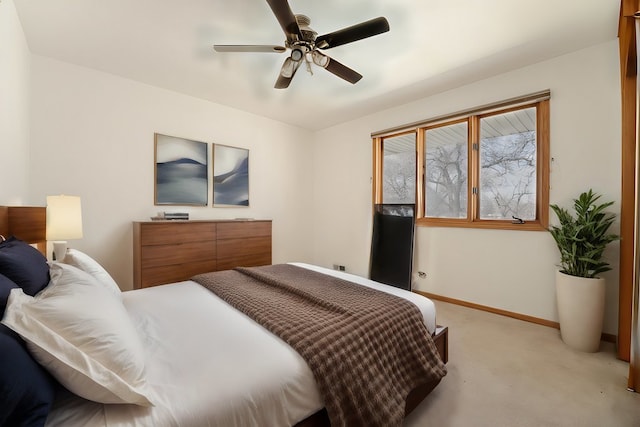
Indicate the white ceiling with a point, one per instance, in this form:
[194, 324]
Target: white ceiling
[433, 45]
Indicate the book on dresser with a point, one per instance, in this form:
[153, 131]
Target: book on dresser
[171, 251]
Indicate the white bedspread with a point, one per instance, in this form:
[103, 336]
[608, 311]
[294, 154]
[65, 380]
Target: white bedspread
[210, 365]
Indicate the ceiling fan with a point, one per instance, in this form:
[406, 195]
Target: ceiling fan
[305, 44]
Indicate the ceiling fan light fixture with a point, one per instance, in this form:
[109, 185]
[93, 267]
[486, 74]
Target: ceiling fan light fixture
[319, 59]
[297, 54]
[288, 68]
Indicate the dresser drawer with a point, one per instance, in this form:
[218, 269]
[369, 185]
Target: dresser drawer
[170, 232]
[247, 252]
[243, 229]
[178, 253]
[153, 276]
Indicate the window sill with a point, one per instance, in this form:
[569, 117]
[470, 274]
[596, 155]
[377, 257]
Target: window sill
[493, 225]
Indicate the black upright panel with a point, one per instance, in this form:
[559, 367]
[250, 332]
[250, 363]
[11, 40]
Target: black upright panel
[392, 245]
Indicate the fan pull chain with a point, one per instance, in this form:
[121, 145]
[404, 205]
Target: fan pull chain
[309, 69]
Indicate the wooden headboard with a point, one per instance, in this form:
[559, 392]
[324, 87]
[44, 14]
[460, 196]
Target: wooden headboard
[28, 223]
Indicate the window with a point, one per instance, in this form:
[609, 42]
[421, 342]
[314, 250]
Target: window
[508, 165]
[446, 168]
[399, 169]
[484, 168]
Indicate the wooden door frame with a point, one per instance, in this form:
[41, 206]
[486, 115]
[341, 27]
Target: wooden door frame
[628, 81]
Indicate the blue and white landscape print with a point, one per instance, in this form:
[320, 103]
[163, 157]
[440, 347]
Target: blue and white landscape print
[181, 171]
[230, 176]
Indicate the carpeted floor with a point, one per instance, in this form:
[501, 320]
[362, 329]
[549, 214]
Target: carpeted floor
[509, 373]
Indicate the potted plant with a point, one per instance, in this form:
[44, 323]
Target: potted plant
[580, 291]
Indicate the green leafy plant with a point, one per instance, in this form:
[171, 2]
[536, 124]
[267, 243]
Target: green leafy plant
[583, 238]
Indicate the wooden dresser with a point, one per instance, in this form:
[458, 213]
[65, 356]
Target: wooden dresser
[171, 251]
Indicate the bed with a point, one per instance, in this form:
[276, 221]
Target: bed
[204, 362]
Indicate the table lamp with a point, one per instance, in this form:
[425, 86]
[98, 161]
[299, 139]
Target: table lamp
[64, 222]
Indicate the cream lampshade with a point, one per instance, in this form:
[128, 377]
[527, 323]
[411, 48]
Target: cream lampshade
[64, 222]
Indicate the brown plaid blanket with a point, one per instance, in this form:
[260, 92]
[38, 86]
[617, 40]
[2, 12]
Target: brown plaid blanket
[366, 349]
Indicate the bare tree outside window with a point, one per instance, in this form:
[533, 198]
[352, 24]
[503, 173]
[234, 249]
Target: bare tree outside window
[399, 169]
[508, 165]
[446, 167]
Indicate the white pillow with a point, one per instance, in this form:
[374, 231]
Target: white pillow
[87, 264]
[82, 334]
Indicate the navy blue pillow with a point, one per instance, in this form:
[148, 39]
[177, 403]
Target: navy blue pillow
[6, 285]
[26, 389]
[24, 264]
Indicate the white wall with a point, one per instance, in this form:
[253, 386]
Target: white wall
[92, 135]
[510, 270]
[14, 108]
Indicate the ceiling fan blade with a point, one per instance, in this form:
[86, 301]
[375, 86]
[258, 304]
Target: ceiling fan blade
[287, 72]
[342, 71]
[248, 48]
[286, 18]
[354, 33]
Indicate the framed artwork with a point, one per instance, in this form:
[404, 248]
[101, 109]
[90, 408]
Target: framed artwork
[181, 172]
[230, 176]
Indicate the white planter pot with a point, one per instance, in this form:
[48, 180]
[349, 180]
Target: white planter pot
[581, 310]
